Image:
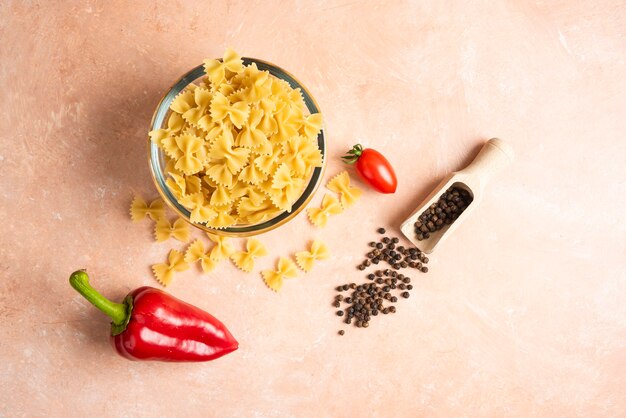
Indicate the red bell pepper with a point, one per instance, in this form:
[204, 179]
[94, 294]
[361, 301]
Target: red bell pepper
[153, 325]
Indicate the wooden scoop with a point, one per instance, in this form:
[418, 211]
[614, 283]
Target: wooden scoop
[493, 156]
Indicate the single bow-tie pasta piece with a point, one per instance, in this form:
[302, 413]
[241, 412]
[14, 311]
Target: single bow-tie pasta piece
[244, 260]
[225, 217]
[286, 269]
[200, 211]
[139, 209]
[319, 216]
[164, 272]
[312, 125]
[341, 184]
[236, 113]
[256, 212]
[196, 252]
[223, 151]
[252, 174]
[183, 102]
[222, 248]
[193, 153]
[306, 259]
[175, 124]
[179, 230]
[221, 196]
[197, 115]
[216, 69]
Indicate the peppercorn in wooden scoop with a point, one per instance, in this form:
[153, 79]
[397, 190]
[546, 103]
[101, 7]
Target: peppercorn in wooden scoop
[451, 201]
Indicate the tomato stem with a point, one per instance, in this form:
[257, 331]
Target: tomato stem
[353, 154]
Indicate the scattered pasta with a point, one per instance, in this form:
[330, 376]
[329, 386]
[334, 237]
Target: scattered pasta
[222, 248]
[196, 252]
[139, 209]
[306, 259]
[244, 260]
[164, 230]
[341, 184]
[164, 272]
[241, 145]
[319, 216]
[286, 269]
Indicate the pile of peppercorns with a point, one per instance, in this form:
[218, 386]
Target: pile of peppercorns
[444, 211]
[368, 299]
[397, 256]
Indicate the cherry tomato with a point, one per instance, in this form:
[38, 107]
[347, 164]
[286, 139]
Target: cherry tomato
[373, 168]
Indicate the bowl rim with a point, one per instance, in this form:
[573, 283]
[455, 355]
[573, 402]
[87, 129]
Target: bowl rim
[161, 112]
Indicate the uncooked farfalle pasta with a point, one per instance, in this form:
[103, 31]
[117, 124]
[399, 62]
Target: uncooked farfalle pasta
[139, 209]
[319, 216]
[285, 269]
[240, 145]
[196, 252]
[164, 272]
[306, 259]
[341, 184]
[164, 230]
[244, 260]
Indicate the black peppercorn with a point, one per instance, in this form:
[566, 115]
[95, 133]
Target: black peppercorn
[381, 230]
[406, 295]
[339, 313]
[341, 332]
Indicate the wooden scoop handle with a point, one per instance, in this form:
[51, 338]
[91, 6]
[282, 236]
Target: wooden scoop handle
[494, 155]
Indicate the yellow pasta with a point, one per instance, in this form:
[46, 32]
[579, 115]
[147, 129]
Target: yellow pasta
[229, 159]
[286, 269]
[255, 212]
[139, 209]
[300, 154]
[244, 260]
[193, 153]
[164, 272]
[222, 248]
[222, 109]
[319, 216]
[240, 145]
[252, 174]
[196, 252]
[225, 217]
[285, 188]
[175, 124]
[268, 123]
[221, 196]
[306, 259]
[251, 136]
[184, 101]
[216, 70]
[164, 230]
[182, 186]
[341, 184]
[197, 115]
[312, 125]
[200, 212]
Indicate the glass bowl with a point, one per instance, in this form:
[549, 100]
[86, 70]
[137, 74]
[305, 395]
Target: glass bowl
[157, 157]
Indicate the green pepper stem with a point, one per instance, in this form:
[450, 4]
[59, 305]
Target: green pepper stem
[116, 311]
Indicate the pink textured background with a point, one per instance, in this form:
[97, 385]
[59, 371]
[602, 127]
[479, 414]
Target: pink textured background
[524, 310]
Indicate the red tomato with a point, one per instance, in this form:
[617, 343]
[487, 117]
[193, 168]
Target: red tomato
[373, 168]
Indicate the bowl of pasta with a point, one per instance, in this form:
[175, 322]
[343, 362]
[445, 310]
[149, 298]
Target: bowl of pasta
[237, 146]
